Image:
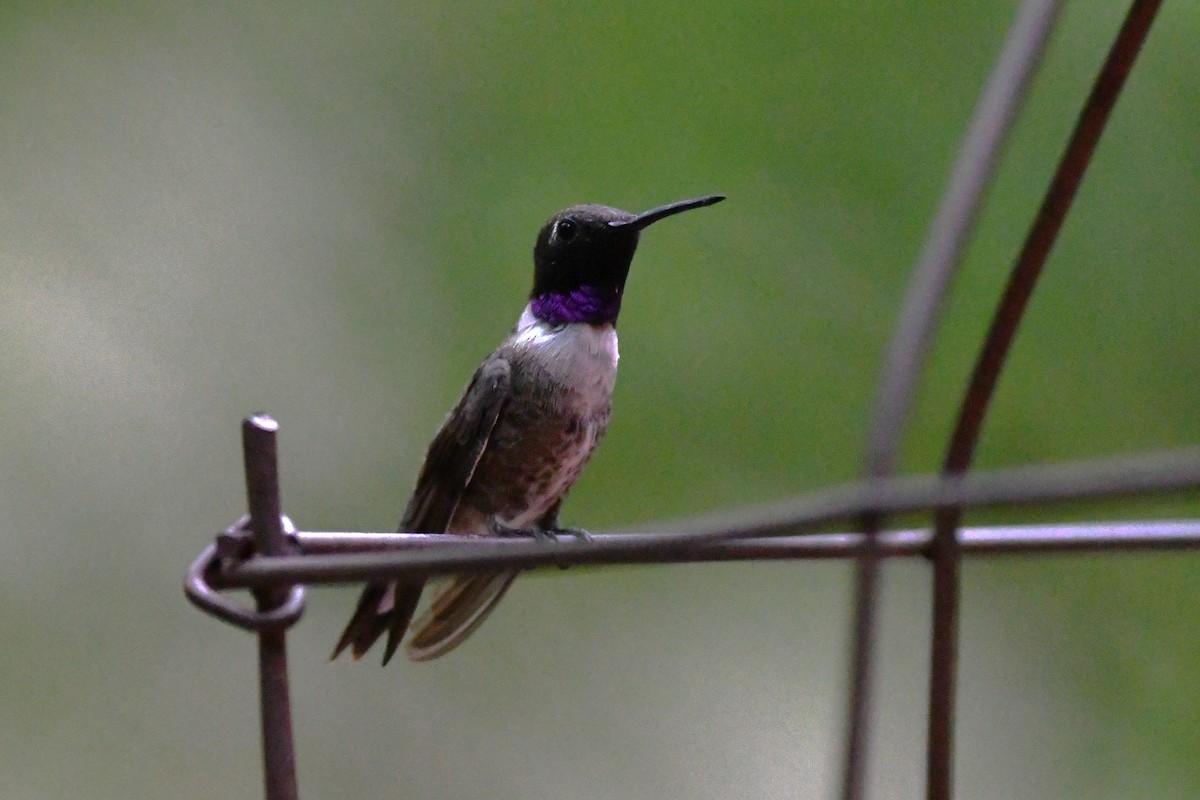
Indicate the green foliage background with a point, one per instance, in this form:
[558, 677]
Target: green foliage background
[326, 211]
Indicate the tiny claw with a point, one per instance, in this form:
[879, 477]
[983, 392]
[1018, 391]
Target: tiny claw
[578, 533]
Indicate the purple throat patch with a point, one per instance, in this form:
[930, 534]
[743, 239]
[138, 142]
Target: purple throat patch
[585, 304]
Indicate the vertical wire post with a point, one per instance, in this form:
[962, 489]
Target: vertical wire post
[974, 167]
[262, 491]
[945, 550]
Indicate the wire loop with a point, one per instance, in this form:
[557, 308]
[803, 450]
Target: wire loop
[202, 595]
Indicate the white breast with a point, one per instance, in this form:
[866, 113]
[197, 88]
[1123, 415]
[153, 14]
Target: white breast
[579, 355]
[583, 357]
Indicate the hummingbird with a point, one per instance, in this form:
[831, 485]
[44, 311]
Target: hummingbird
[518, 438]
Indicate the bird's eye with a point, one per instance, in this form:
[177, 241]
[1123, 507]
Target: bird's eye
[565, 230]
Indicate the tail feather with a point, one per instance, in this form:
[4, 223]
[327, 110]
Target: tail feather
[457, 610]
[375, 614]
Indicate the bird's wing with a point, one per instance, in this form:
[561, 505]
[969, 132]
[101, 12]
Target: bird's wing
[449, 464]
[456, 449]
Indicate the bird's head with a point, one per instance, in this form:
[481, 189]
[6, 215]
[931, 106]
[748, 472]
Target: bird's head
[582, 258]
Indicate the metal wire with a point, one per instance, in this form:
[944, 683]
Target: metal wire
[266, 522]
[1172, 470]
[1009, 312]
[998, 540]
[1001, 99]
[336, 557]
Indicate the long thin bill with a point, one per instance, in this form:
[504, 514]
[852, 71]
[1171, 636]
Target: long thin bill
[662, 212]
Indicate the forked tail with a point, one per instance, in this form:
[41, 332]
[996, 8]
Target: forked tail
[382, 607]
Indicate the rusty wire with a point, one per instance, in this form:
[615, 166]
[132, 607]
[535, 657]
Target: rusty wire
[266, 516]
[974, 168]
[1072, 166]
[993, 540]
[239, 557]
[412, 554]
[336, 557]
[262, 552]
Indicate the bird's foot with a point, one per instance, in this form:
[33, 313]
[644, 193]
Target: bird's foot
[578, 533]
[498, 528]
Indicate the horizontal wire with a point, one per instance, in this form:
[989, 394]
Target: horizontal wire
[1171, 470]
[351, 557]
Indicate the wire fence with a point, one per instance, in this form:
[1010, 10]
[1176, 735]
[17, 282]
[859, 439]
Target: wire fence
[264, 553]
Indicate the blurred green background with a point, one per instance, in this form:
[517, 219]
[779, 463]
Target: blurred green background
[326, 211]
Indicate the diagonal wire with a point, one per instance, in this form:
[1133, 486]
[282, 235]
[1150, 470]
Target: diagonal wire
[1171, 470]
[1022, 281]
[972, 173]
